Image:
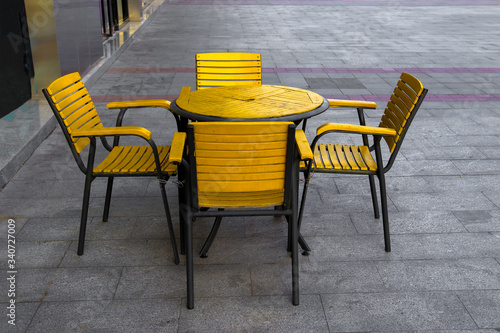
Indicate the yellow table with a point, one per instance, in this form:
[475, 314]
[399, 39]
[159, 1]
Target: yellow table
[249, 103]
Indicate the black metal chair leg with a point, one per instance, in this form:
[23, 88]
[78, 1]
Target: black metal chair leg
[211, 236]
[85, 210]
[383, 195]
[385, 213]
[86, 197]
[107, 201]
[189, 259]
[295, 245]
[169, 222]
[182, 204]
[373, 190]
[302, 242]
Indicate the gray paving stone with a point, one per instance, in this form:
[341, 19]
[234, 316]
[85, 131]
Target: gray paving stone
[83, 284]
[461, 245]
[441, 201]
[427, 275]
[110, 316]
[317, 278]
[128, 252]
[479, 220]
[395, 312]
[483, 306]
[170, 282]
[365, 247]
[43, 254]
[262, 314]
[333, 224]
[409, 222]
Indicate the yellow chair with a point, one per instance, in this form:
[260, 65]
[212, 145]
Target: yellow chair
[81, 125]
[243, 169]
[351, 159]
[227, 69]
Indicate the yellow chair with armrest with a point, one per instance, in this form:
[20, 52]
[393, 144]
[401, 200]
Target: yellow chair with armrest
[358, 160]
[81, 125]
[243, 169]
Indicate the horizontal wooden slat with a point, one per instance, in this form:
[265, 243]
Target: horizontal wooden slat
[86, 111]
[70, 99]
[86, 100]
[358, 158]
[63, 82]
[225, 169]
[135, 159]
[324, 156]
[404, 109]
[87, 121]
[318, 162]
[237, 154]
[392, 108]
[391, 143]
[367, 158]
[408, 91]
[413, 82]
[244, 139]
[228, 70]
[333, 156]
[229, 77]
[240, 186]
[241, 162]
[340, 153]
[211, 83]
[349, 157]
[223, 177]
[249, 146]
[235, 200]
[228, 56]
[245, 128]
[58, 97]
[80, 144]
[405, 99]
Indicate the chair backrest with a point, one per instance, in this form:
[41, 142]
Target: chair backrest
[227, 69]
[73, 108]
[241, 164]
[401, 109]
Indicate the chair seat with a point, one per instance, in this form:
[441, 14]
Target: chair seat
[343, 158]
[135, 160]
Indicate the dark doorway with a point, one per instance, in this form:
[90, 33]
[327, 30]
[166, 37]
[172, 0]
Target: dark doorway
[16, 62]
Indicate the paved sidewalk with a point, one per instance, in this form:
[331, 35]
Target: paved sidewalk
[443, 274]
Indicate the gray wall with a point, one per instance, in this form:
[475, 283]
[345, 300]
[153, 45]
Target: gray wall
[79, 37]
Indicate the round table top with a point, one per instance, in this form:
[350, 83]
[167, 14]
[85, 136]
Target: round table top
[263, 102]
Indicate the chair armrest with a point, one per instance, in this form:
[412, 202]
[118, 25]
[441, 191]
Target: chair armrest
[147, 103]
[112, 131]
[335, 127]
[341, 103]
[177, 147]
[303, 145]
